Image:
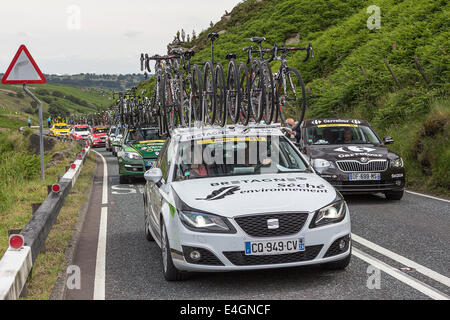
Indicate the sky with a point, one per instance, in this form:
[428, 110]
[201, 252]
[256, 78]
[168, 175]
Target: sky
[99, 36]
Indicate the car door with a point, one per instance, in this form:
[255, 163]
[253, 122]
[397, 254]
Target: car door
[157, 193]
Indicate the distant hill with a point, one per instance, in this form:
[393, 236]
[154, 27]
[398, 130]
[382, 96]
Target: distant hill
[117, 82]
[350, 77]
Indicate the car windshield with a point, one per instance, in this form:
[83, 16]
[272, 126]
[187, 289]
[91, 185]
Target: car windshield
[119, 131]
[341, 134]
[61, 127]
[136, 135]
[100, 130]
[78, 129]
[234, 156]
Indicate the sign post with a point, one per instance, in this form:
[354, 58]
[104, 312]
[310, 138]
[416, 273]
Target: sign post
[23, 70]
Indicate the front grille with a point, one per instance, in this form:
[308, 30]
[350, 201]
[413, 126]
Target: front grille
[334, 248]
[356, 166]
[239, 258]
[206, 257]
[256, 225]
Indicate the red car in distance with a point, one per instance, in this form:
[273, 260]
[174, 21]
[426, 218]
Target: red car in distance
[98, 136]
[79, 132]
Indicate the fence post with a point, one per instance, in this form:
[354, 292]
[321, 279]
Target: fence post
[363, 72]
[421, 70]
[392, 72]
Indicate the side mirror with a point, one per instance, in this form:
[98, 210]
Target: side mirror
[154, 175]
[388, 140]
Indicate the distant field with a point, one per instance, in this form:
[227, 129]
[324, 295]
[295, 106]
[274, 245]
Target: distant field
[72, 99]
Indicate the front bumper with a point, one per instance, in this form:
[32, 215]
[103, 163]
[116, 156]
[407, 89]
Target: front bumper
[134, 167]
[393, 179]
[226, 252]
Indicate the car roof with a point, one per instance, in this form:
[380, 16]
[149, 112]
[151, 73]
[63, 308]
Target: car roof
[330, 121]
[193, 133]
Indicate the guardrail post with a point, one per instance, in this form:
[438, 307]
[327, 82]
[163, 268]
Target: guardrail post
[392, 73]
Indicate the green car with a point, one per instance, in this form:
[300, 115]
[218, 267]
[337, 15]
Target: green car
[137, 151]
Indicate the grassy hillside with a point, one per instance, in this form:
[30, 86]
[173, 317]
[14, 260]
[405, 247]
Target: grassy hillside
[56, 99]
[349, 77]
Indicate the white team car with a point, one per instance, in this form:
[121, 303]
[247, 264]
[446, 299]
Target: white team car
[240, 198]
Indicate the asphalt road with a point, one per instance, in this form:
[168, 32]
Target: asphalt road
[404, 242]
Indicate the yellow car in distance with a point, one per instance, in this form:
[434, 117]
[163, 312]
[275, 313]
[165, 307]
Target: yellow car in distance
[60, 129]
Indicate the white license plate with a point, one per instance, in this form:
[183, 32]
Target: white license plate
[274, 246]
[364, 176]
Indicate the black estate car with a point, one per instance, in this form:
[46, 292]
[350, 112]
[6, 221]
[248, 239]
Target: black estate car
[351, 156]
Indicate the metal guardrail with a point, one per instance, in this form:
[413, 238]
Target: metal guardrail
[16, 265]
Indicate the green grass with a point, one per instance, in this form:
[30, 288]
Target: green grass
[20, 182]
[50, 264]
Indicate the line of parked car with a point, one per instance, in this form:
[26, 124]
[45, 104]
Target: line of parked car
[247, 197]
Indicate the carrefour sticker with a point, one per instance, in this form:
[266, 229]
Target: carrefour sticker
[337, 125]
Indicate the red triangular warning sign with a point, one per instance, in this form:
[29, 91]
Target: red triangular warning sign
[23, 69]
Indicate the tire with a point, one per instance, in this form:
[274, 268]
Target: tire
[257, 91]
[171, 273]
[244, 93]
[197, 93]
[124, 179]
[209, 94]
[269, 97]
[163, 107]
[233, 96]
[221, 92]
[394, 195]
[295, 99]
[338, 265]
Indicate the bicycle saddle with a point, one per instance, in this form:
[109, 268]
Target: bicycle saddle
[189, 53]
[213, 35]
[230, 56]
[257, 39]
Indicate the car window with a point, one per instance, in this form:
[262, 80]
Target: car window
[136, 135]
[164, 160]
[340, 134]
[232, 156]
[100, 130]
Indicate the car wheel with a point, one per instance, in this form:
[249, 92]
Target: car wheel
[338, 265]
[123, 179]
[171, 273]
[394, 195]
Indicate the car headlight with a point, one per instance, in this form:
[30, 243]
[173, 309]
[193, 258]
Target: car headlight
[133, 155]
[203, 222]
[332, 213]
[397, 163]
[321, 164]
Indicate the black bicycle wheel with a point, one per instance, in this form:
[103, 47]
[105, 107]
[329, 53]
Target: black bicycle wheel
[291, 98]
[244, 94]
[257, 91]
[233, 97]
[209, 94]
[163, 106]
[197, 93]
[221, 110]
[269, 97]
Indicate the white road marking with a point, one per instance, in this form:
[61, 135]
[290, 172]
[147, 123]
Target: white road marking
[105, 180]
[427, 196]
[405, 261]
[100, 266]
[412, 282]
